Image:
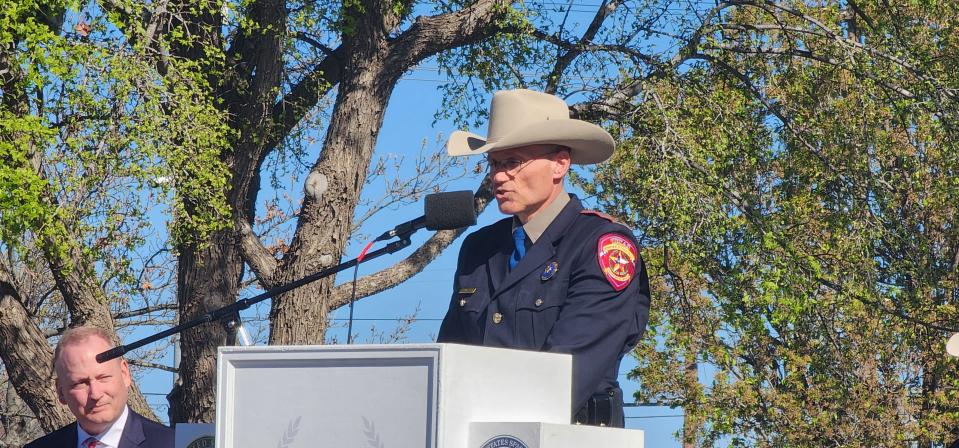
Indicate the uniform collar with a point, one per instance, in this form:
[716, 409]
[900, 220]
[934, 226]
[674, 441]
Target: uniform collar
[110, 437]
[537, 226]
[537, 254]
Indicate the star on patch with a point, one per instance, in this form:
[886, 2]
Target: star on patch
[617, 259]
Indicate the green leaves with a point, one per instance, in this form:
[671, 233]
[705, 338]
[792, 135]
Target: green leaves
[88, 127]
[795, 196]
[21, 189]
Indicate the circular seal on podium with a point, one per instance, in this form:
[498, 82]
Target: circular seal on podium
[202, 442]
[504, 442]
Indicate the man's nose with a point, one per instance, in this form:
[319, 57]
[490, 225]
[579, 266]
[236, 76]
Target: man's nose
[96, 390]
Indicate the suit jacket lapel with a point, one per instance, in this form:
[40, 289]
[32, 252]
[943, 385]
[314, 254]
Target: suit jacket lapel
[499, 260]
[72, 436]
[537, 254]
[133, 431]
[543, 250]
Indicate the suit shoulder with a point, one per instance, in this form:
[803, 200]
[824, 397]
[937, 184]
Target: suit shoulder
[157, 434]
[150, 425]
[58, 438]
[489, 232]
[597, 214]
[595, 224]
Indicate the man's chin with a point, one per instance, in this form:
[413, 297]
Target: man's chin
[95, 424]
[100, 416]
[507, 208]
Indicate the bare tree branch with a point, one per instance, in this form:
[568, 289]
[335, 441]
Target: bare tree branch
[429, 35]
[145, 310]
[563, 61]
[582, 47]
[261, 261]
[289, 110]
[151, 365]
[858, 11]
[84, 297]
[412, 265]
[684, 53]
[616, 100]
[159, 13]
[314, 43]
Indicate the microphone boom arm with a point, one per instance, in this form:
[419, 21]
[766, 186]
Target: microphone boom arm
[242, 304]
[403, 230]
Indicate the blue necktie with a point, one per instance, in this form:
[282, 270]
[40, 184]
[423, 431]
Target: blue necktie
[519, 247]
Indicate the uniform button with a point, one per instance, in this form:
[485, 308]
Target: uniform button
[497, 318]
[539, 302]
[462, 302]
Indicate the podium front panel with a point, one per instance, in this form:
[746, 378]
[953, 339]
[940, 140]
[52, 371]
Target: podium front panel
[340, 397]
[382, 396]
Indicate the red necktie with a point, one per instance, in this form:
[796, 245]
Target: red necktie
[90, 443]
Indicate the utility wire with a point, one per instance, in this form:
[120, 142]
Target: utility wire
[654, 416]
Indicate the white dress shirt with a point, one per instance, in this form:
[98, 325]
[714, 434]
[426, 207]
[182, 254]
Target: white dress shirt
[109, 438]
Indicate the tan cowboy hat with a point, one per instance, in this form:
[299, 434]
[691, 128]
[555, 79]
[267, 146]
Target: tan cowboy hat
[525, 117]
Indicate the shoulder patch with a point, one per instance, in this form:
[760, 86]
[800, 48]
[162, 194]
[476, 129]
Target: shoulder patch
[598, 214]
[617, 258]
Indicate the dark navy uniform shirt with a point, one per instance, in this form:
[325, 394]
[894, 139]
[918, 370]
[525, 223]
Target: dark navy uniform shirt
[561, 297]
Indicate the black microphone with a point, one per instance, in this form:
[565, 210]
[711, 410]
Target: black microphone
[442, 211]
[114, 352]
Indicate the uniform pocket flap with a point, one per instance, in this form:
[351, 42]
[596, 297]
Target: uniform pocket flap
[537, 302]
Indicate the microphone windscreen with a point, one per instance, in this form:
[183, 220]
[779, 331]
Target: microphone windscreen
[448, 211]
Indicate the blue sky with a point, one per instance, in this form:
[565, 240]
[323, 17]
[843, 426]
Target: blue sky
[409, 122]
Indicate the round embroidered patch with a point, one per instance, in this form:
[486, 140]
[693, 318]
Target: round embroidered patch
[617, 258]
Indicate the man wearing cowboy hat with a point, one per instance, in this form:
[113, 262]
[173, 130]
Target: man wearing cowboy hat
[552, 277]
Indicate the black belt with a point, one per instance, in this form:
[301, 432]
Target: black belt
[602, 409]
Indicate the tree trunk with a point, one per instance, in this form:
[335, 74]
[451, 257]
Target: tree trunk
[209, 275]
[28, 360]
[300, 316]
[208, 278]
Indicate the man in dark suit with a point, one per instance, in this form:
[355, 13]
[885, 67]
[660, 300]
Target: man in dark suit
[97, 396]
[553, 276]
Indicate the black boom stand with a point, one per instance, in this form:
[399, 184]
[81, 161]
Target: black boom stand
[230, 313]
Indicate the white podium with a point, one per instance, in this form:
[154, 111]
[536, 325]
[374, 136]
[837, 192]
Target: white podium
[382, 396]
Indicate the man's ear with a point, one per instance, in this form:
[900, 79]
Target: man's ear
[562, 163]
[56, 385]
[125, 373]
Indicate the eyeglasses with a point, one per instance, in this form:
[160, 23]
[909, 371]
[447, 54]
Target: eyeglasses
[513, 165]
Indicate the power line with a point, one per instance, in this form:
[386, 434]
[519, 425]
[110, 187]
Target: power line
[655, 416]
[393, 319]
